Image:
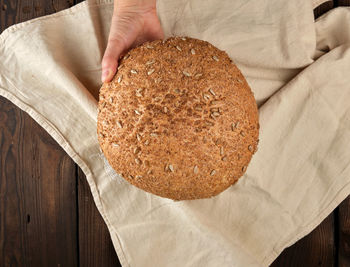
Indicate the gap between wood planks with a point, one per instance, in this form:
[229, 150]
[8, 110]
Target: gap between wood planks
[327, 245]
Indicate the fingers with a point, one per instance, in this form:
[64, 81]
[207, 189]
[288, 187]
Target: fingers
[129, 27]
[110, 59]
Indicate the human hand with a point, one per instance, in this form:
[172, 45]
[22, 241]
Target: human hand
[133, 22]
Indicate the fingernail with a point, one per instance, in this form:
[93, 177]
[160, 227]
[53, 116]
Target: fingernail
[105, 75]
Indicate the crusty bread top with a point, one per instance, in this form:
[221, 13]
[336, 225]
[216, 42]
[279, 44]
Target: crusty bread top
[178, 120]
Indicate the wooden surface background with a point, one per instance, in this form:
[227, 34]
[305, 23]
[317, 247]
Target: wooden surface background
[47, 214]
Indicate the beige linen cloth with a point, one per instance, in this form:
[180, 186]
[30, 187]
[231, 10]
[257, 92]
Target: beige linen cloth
[299, 70]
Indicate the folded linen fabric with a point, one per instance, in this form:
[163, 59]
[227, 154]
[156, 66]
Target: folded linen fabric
[297, 69]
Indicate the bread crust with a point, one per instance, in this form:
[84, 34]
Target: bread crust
[178, 119]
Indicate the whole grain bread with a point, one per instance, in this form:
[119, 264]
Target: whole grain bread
[178, 120]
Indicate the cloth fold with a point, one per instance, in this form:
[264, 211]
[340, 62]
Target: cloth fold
[297, 69]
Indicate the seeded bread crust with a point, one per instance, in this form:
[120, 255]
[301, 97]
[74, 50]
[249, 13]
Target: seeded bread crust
[178, 120]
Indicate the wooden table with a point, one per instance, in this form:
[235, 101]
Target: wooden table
[47, 214]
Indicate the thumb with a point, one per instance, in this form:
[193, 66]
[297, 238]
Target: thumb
[110, 59]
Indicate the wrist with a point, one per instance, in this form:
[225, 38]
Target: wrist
[134, 5]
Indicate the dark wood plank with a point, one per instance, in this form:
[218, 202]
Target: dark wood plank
[323, 8]
[343, 214]
[343, 2]
[319, 247]
[15, 11]
[11, 222]
[38, 224]
[95, 248]
[95, 245]
[344, 233]
[38, 181]
[315, 249]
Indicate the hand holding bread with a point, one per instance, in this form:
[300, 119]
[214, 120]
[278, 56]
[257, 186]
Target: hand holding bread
[133, 22]
[178, 119]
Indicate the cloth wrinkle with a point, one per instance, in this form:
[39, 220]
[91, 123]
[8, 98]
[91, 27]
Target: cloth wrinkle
[300, 172]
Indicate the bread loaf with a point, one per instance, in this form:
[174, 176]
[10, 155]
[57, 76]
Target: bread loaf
[178, 119]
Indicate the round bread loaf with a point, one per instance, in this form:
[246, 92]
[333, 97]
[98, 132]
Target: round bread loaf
[178, 119]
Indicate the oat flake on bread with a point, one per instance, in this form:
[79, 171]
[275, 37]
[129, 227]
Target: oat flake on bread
[178, 119]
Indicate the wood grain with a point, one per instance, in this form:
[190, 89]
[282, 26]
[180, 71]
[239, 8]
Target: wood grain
[95, 245]
[343, 3]
[38, 182]
[344, 233]
[38, 225]
[47, 214]
[315, 249]
[319, 247]
[12, 217]
[12, 11]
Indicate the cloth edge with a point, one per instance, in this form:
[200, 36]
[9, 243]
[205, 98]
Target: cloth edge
[64, 12]
[58, 137]
[340, 196]
[317, 3]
